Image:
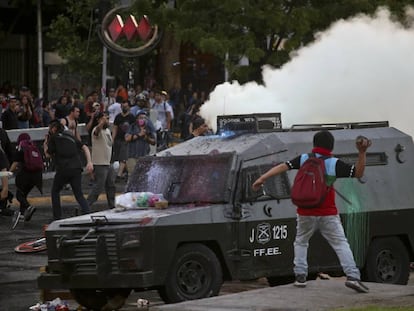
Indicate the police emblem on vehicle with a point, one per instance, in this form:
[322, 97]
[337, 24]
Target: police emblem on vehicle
[263, 233]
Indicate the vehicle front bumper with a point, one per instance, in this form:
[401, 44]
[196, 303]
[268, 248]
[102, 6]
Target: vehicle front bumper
[135, 280]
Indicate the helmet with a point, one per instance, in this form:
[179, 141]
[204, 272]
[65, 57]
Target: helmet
[141, 96]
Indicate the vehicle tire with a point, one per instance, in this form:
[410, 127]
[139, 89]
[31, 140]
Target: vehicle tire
[195, 273]
[387, 262]
[280, 280]
[95, 299]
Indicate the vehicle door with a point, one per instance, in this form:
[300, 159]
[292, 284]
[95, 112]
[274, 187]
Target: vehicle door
[267, 226]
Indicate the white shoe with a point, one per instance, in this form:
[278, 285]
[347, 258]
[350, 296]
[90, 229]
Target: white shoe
[17, 216]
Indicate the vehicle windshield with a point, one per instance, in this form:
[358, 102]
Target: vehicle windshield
[184, 179]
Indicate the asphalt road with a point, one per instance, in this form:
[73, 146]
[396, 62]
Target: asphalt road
[18, 274]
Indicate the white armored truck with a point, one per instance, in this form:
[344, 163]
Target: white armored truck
[216, 228]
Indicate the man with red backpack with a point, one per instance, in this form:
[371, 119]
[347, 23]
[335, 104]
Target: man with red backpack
[323, 216]
[28, 166]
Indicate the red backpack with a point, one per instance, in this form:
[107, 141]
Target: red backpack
[33, 161]
[309, 188]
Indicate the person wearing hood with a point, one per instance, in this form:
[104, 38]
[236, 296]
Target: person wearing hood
[25, 181]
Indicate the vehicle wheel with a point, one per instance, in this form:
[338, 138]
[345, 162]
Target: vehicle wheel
[280, 280]
[195, 273]
[387, 262]
[95, 299]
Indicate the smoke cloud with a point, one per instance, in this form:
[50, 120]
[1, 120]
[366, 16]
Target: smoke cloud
[360, 69]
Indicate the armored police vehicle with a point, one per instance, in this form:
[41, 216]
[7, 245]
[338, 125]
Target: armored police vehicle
[216, 228]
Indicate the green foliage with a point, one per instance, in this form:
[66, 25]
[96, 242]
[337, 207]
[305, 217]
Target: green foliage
[73, 35]
[266, 31]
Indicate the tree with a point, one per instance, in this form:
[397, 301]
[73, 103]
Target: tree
[73, 35]
[265, 31]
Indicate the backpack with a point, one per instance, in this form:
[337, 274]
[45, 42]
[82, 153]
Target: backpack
[33, 161]
[309, 188]
[68, 147]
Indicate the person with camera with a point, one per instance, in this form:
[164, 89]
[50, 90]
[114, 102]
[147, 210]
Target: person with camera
[92, 120]
[24, 112]
[139, 137]
[104, 174]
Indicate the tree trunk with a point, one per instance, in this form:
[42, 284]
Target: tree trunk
[170, 70]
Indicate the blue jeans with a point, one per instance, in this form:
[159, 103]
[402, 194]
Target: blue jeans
[331, 229]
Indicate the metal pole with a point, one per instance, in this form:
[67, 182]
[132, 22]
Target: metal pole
[104, 74]
[226, 71]
[39, 49]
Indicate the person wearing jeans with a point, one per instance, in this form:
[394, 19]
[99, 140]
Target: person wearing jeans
[324, 217]
[331, 229]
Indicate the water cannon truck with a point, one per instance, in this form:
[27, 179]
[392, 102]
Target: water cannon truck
[216, 228]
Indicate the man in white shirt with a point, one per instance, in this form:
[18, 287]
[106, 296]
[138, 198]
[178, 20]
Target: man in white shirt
[164, 111]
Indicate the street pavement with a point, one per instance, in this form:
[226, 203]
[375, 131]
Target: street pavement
[18, 274]
[319, 295]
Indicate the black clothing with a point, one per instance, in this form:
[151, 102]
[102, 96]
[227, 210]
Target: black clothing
[25, 181]
[123, 123]
[62, 110]
[9, 120]
[73, 177]
[65, 149]
[6, 145]
[4, 165]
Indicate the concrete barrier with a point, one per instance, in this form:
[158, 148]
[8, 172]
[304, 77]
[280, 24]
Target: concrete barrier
[38, 133]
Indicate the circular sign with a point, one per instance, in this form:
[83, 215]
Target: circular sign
[142, 33]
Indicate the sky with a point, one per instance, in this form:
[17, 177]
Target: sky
[360, 69]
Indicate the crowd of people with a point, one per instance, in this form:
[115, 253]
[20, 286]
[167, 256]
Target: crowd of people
[120, 130]
[176, 108]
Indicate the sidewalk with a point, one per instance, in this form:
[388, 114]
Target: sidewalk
[319, 295]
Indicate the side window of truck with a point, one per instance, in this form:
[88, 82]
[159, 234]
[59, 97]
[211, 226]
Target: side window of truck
[373, 158]
[277, 187]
